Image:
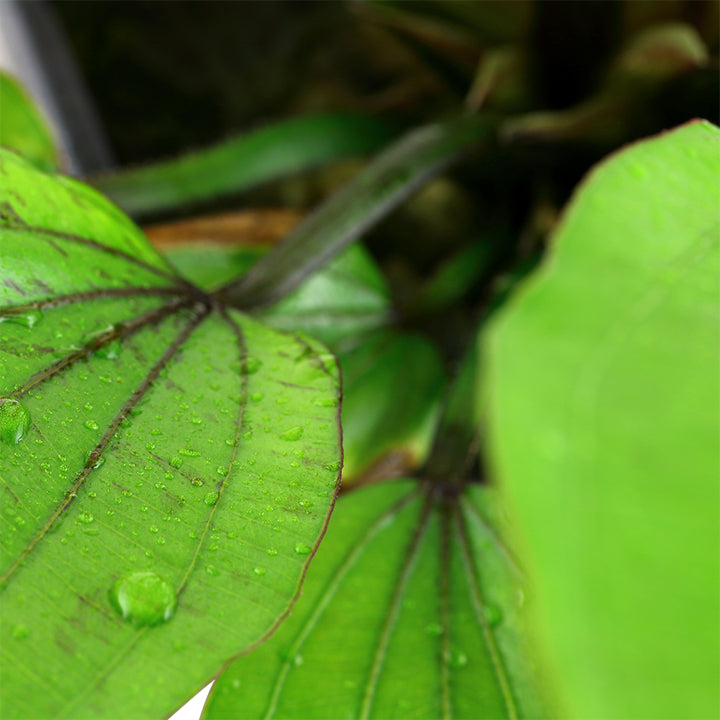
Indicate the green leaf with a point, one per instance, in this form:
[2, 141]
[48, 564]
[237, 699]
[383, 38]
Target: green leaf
[23, 128]
[392, 387]
[410, 610]
[344, 300]
[265, 154]
[603, 395]
[168, 465]
[368, 197]
[389, 404]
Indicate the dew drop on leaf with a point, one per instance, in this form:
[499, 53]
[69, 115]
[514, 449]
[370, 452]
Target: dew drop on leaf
[14, 421]
[251, 365]
[20, 632]
[211, 498]
[259, 571]
[27, 318]
[294, 433]
[85, 518]
[302, 549]
[143, 599]
[493, 615]
[212, 570]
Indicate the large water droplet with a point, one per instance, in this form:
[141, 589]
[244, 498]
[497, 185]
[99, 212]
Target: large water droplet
[211, 498]
[14, 421]
[302, 549]
[294, 433]
[26, 318]
[143, 599]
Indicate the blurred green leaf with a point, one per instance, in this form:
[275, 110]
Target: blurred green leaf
[23, 128]
[392, 387]
[369, 196]
[602, 392]
[410, 610]
[265, 154]
[167, 464]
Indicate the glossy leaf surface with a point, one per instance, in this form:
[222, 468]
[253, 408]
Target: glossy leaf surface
[23, 128]
[392, 382]
[603, 406]
[409, 611]
[168, 465]
[262, 155]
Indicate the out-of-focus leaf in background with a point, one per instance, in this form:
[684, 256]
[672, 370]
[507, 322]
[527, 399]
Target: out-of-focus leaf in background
[602, 397]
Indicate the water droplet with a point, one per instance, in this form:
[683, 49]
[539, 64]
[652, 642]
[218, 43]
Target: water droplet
[211, 498]
[250, 366]
[257, 397]
[302, 549]
[91, 425]
[259, 571]
[197, 482]
[433, 629]
[86, 518]
[457, 659]
[176, 462]
[212, 570]
[14, 421]
[110, 350]
[493, 615]
[20, 632]
[26, 318]
[325, 402]
[143, 599]
[294, 433]
[94, 462]
[272, 551]
[332, 467]
[189, 453]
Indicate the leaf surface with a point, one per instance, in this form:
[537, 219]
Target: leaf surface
[392, 381]
[168, 465]
[409, 611]
[602, 391]
[23, 128]
[265, 154]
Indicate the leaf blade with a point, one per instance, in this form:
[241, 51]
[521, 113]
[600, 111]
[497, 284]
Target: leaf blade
[389, 180]
[583, 446]
[167, 436]
[373, 607]
[265, 154]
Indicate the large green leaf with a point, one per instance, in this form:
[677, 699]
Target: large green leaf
[168, 464]
[410, 610]
[265, 154]
[603, 406]
[23, 128]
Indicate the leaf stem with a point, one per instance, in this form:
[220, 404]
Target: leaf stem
[395, 175]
